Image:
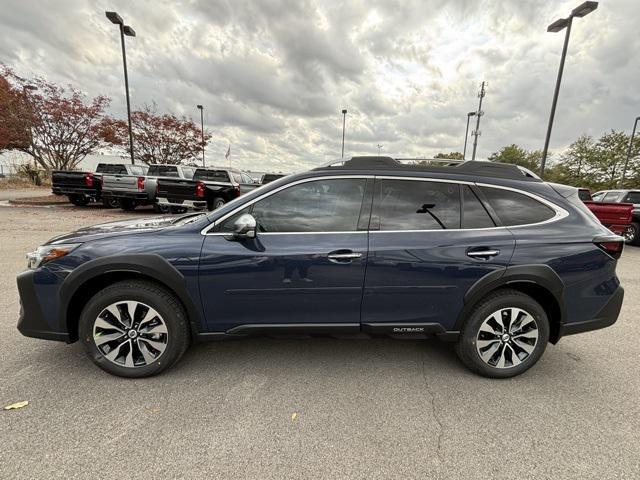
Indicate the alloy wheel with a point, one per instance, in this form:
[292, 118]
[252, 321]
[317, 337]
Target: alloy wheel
[507, 337]
[630, 234]
[130, 334]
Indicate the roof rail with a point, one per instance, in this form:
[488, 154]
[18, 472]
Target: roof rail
[481, 168]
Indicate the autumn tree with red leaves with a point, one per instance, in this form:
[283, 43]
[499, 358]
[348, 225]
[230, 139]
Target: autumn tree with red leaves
[162, 138]
[59, 125]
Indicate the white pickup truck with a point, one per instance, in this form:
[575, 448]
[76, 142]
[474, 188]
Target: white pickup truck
[132, 190]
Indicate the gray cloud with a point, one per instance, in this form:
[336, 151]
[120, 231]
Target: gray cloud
[274, 75]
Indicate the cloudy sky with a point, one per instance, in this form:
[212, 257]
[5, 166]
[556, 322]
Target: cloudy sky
[274, 75]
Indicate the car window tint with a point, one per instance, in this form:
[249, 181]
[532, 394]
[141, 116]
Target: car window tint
[633, 197]
[317, 206]
[163, 171]
[474, 214]
[211, 175]
[611, 197]
[584, 195]
[515, 208]
[418, 205]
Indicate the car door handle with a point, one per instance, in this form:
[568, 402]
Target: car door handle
[486, 253]
[343, 256]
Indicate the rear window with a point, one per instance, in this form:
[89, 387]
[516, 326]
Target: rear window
[584, 195]
[515, 208]
[633, 197]
[418, 205]
[112, 169]
[163, 171]
[188, 172]
[212, 175]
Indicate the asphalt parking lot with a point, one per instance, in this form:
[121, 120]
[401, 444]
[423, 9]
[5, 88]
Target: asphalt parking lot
[312, 408]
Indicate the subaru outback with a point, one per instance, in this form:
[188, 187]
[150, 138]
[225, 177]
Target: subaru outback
[482, 254]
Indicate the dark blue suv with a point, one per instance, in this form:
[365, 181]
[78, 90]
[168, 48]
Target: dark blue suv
[482, 254]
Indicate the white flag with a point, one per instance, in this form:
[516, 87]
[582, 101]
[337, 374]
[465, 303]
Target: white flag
[226, 155]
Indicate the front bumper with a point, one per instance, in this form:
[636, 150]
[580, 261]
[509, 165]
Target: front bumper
[32, 322]
[192, 204]
[607, 316]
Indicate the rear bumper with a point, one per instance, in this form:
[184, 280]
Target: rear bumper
[192, 204]
[141, 196]
[31, 322]
[607, 316]
[87, 192]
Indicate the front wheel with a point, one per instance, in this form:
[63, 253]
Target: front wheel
[505, 335]
[632, 235]
[134, 329]
[79, 200]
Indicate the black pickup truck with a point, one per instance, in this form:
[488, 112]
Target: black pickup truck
[83, 187]
[210, 188]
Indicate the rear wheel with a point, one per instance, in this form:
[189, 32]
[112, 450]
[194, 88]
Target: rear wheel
[504, 335]
[217, 203]
[134, 329]
[110, 202]
[632, 235]
[79, 200]
[128, 204]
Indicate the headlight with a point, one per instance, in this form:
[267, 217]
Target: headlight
[49, 252]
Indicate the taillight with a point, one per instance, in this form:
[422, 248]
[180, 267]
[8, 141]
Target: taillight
[237, 191]
[140, 183]
[200, 189]
[610, 246]
[88, 179]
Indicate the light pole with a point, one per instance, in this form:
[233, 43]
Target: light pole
[479, 113]
[344, 120]
[626, 162]
[466, 134]
[580, 11]
[201, 108]
[129, 32]
[25, 89]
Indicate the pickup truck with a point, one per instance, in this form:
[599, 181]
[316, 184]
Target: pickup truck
[83, 187]
[628, 198]
[210, 188]
[270, 177]
[134, 189]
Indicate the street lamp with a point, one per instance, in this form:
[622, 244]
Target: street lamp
[344, 120]
[466, 134]
[562, 23]
[626, 162]
[129, 32]
[201, 108]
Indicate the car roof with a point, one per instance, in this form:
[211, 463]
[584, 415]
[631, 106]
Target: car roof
[386, 165]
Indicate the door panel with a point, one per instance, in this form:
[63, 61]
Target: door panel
[282, 278]
[421, 262]
[423, 276]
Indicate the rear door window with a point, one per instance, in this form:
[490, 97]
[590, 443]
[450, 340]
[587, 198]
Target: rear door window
[474, 215]
[417, 205]
[515, 208]
[632, 197]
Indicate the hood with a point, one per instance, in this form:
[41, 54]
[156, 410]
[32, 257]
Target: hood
[124, 227]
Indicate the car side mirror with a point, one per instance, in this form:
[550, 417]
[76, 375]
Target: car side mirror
[245, 226]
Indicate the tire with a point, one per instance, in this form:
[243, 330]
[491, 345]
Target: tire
[158, 342]
[128, 205]
[498, 350]
[79, 200]
[110, 202]
[632, 235]
[217, 203]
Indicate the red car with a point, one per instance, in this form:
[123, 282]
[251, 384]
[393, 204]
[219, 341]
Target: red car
[617, 217]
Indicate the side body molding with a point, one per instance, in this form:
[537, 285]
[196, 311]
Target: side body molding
[540, 275]
[153, 266]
